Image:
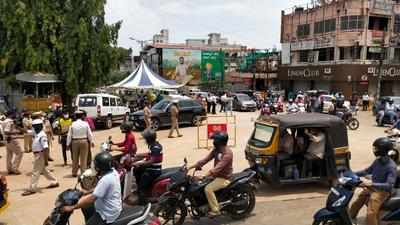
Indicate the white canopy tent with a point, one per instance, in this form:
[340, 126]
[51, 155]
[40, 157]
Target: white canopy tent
[144, 78]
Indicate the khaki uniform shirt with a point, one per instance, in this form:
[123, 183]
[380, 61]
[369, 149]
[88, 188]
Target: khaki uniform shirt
[147, 112]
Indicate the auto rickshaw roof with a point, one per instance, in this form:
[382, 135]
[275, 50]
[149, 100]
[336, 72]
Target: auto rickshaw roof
[304, 120]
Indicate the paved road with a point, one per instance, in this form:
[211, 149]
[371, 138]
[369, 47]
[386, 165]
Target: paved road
[293, 205]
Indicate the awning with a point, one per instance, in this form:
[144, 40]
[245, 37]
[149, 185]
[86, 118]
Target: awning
[37, 77]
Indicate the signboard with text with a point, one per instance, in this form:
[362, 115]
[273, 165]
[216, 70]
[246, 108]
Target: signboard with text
[216, 127]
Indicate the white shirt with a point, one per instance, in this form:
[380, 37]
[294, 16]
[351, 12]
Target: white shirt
[8, 126]
[365, 98]
[317, 145]
[79, 130]
[40, 142]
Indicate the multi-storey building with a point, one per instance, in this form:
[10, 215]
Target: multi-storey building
[340, 45]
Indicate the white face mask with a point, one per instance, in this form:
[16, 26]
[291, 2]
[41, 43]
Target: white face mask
[66, 116]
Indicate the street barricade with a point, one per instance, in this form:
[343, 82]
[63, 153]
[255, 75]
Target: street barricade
[212, 123]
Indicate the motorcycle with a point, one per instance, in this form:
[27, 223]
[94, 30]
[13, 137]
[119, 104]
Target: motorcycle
[336, 210]
[139, 215]
[186, 195]
[3, 193]
[352, 122]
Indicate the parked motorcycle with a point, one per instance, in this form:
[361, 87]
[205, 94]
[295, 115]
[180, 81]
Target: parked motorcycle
[336, 210]
[138, 215]
[186, 195]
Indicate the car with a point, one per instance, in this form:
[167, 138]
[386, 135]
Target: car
[243, 102]
[3, 105]
[190, 113]
[105, 109]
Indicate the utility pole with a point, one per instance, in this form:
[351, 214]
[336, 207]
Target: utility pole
[380, 70]
[253, 68]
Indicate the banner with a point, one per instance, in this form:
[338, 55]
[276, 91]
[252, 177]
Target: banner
[180, 64]
[218, 127]
[212, 66]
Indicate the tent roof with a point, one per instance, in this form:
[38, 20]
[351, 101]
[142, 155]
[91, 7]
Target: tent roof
[37, 77]
[144, 78]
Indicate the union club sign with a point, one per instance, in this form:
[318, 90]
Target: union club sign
[303, 73]
[386, 72]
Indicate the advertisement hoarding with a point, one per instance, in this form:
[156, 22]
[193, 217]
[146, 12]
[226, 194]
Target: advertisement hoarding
[212, 66]
[181, 64]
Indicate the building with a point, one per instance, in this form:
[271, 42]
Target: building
[162, 37]
[338, 45]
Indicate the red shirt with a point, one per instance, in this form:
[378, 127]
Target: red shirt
[129, 144]
[89, 120]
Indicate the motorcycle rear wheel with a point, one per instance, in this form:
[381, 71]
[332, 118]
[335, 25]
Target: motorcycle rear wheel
[246, 193]
[353, 124]
[327, 222]
[171, 212]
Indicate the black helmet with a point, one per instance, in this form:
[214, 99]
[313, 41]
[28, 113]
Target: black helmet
[150, 136]
[127, 126]
[103, 162]
[382, 146]
[220, 138]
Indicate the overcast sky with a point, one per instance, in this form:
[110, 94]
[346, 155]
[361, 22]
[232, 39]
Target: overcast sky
[255, 23]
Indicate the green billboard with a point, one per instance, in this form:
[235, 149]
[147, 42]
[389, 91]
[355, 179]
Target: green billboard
[212, 66]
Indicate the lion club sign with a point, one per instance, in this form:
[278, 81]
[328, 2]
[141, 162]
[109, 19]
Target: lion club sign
[216, 127]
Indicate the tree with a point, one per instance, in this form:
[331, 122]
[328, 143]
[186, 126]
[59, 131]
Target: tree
[68, 38]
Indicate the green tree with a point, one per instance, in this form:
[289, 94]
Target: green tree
[68, 38]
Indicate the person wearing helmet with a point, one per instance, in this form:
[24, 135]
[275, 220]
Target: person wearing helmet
[39, 147]
[128, 146]
[222, 171]
[104, 205]
[148, 165]
[389, 110]
[378, 189]
[292, 107]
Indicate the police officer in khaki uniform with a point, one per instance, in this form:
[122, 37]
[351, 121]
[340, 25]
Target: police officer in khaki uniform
[14, 150]
[78, 139]
[39, 147]
[174, 119]
[147, 115]
[27, 124]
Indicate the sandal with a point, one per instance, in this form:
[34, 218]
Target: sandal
[28, 192]
[212, 214]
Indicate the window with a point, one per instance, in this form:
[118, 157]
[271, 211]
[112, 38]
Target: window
[378, 23]
[161, 105]
[375, 53]
[119, 102]
[184, 104]
[303, 56]
[262, 135]
[325, 26]
[326, 54]
[113, 102]
[106, 101]
[396, 27]
[303, 30]
[353, 52]
[351, 22]
[87, 101]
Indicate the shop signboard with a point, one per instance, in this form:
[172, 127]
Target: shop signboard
[302, 45]
[181, 64]
[212, 66]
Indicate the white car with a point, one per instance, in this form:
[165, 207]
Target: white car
[103, 108]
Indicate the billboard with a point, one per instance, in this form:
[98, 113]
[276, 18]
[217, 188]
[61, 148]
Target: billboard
[181, 64]
[212, 66]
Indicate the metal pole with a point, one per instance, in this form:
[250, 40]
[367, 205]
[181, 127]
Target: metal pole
[253, 67]
[378, 86]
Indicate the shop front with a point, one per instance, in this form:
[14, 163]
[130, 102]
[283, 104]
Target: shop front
[347, 78]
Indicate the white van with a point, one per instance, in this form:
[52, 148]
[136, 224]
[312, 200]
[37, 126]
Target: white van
[103, 108]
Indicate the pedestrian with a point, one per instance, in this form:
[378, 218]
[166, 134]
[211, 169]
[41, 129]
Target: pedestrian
[78, 139]
[353, 103]
[14, 150]
[365, 101]
[39, 148]
[50, 137]
[147, 115]
[174, 110]
[209, 103]
[222, 101]
[90, 122]
[213, 104]
[27, 125]
[65, 123]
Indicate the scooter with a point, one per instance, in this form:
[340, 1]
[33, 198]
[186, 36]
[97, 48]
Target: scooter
[336, 210]
[186, 195]
[139, 215]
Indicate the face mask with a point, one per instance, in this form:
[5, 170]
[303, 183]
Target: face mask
[66, 116]
[37, 129]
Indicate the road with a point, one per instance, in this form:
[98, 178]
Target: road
[292, 205]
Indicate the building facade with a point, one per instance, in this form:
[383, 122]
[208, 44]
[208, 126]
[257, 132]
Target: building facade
[341, 45]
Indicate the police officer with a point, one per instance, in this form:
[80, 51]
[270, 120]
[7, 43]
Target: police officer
[78, 139]
[147, 115]
[39, 147]
[174, 119]
[378, 189]
[27, 124]
[14, 150]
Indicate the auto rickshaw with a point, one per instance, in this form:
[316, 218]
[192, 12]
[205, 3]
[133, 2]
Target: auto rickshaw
[271, 134]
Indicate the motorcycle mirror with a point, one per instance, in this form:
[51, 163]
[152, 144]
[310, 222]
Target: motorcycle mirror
[185, 160]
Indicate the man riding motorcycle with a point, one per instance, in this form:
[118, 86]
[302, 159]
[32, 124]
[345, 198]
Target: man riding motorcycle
[128, 146]
[104, 205]
[377, 190]
[389, 110]
[222, 171]
[292, 107]
[147, 167]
